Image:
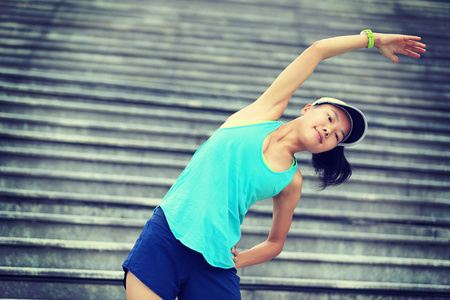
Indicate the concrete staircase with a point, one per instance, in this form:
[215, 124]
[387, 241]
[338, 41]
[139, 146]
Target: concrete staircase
[102, 103]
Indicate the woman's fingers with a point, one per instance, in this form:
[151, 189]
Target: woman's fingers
[234, 252]
[414, 38]
[416, 46]
[411, 53]
[405, 45]
[414, 50]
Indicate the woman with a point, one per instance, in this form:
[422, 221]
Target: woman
[184, 249]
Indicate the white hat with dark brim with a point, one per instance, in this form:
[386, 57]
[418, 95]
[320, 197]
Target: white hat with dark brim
[358, 120]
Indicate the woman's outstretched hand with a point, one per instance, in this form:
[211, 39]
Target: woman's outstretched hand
[389, 44]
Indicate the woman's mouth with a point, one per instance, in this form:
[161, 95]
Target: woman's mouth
[319, 135]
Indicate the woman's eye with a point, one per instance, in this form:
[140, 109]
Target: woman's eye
[329, 118]
[337, 138]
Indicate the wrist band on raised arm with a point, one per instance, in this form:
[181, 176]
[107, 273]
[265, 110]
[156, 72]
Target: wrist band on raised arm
[370, 36]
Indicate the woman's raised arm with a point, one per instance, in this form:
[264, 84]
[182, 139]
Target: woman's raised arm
[272, 103]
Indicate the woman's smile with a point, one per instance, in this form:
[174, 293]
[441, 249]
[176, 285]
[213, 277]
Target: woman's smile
[319, 135]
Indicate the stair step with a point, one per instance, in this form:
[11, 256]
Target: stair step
[50, 253]
[353, 243]
[91, 162]
[41, 196]
[64, 84]
[111, 111]
[310, 219]
[408, 242]
[233, 77]
[77, 140]
[62, 142]
[353, 267]
[197, 85]
[84, 284]
[331, 200]
[167, 168]
[355, 216]
[96, 183]
[102, 129]
[28, 178]
[300, 288]
[18, 122]
[344, 216]
[60, 283]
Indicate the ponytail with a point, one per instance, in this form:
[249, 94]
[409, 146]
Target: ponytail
[331, 167]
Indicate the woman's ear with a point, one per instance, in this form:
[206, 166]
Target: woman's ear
[305, 109]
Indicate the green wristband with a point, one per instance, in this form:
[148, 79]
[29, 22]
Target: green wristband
[370, 36]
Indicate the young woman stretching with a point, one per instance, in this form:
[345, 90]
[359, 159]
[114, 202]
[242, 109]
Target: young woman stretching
[187, 249]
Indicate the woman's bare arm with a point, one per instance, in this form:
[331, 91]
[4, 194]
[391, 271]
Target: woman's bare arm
[273, 102]
[283, 210]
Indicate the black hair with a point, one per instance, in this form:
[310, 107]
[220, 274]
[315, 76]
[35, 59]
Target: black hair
[332, 167]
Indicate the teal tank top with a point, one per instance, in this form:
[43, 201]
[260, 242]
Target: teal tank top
[207, 203]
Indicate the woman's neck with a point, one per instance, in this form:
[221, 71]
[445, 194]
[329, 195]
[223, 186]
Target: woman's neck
[287, 137]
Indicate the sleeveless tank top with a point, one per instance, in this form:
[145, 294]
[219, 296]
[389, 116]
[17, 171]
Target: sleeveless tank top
[207, 203]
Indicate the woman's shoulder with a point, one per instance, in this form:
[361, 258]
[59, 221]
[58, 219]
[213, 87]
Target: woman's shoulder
[297, 180]
[239, 123]
[295, 186]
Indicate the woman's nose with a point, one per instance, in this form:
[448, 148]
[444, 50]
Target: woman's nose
[326, 131]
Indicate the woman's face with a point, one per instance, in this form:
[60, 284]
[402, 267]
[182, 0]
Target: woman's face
[323, 127]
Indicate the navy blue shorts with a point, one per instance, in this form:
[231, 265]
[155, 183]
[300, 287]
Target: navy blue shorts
[172, 270]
